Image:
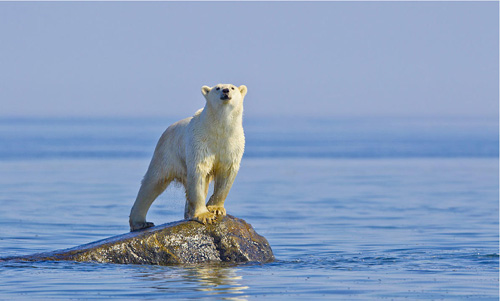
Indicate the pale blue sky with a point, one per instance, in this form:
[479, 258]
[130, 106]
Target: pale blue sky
[297, 58]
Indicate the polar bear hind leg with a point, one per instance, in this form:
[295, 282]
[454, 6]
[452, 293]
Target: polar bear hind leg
[148, 192]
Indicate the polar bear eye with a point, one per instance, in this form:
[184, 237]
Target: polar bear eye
[232, 88]
[217, 89]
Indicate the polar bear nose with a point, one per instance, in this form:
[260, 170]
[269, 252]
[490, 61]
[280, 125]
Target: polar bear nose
[225, 90]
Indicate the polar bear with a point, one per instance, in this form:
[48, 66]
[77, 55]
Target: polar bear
[194, 151]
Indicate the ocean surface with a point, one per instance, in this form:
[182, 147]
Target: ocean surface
[354, 208]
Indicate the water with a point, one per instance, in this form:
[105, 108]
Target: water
[353, 209]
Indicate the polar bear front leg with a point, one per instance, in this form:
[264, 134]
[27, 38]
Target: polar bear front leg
[223, 183]
[196, 193]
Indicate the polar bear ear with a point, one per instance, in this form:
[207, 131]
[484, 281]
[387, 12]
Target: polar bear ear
[243, 90]
[205, 90]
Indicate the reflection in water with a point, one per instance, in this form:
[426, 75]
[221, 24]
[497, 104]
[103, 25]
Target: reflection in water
[216, 279]
[213, 279]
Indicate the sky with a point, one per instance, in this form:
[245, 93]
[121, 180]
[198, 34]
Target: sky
[325, 59]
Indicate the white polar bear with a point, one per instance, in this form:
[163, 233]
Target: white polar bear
[194, 151]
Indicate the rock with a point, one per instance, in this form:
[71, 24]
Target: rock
[228, 240]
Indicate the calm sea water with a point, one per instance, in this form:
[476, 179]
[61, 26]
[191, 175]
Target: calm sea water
[357, 209]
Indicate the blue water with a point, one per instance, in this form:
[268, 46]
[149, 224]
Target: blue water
[355, 208]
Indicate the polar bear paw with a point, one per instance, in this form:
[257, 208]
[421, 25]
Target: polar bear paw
[217, 210]
[140, 226]
[205, 218]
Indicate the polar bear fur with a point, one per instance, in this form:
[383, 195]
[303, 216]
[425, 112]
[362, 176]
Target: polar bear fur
[194, 151]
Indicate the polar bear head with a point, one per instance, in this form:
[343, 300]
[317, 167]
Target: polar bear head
[224, 95]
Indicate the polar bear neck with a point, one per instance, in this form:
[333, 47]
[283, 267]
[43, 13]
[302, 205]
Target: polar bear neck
[224, 118]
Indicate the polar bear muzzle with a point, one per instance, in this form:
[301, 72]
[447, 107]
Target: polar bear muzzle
[225, 94]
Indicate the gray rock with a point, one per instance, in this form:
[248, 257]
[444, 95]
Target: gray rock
[229, 240]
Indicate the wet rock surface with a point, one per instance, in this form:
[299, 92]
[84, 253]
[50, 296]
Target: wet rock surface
[229, 240]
